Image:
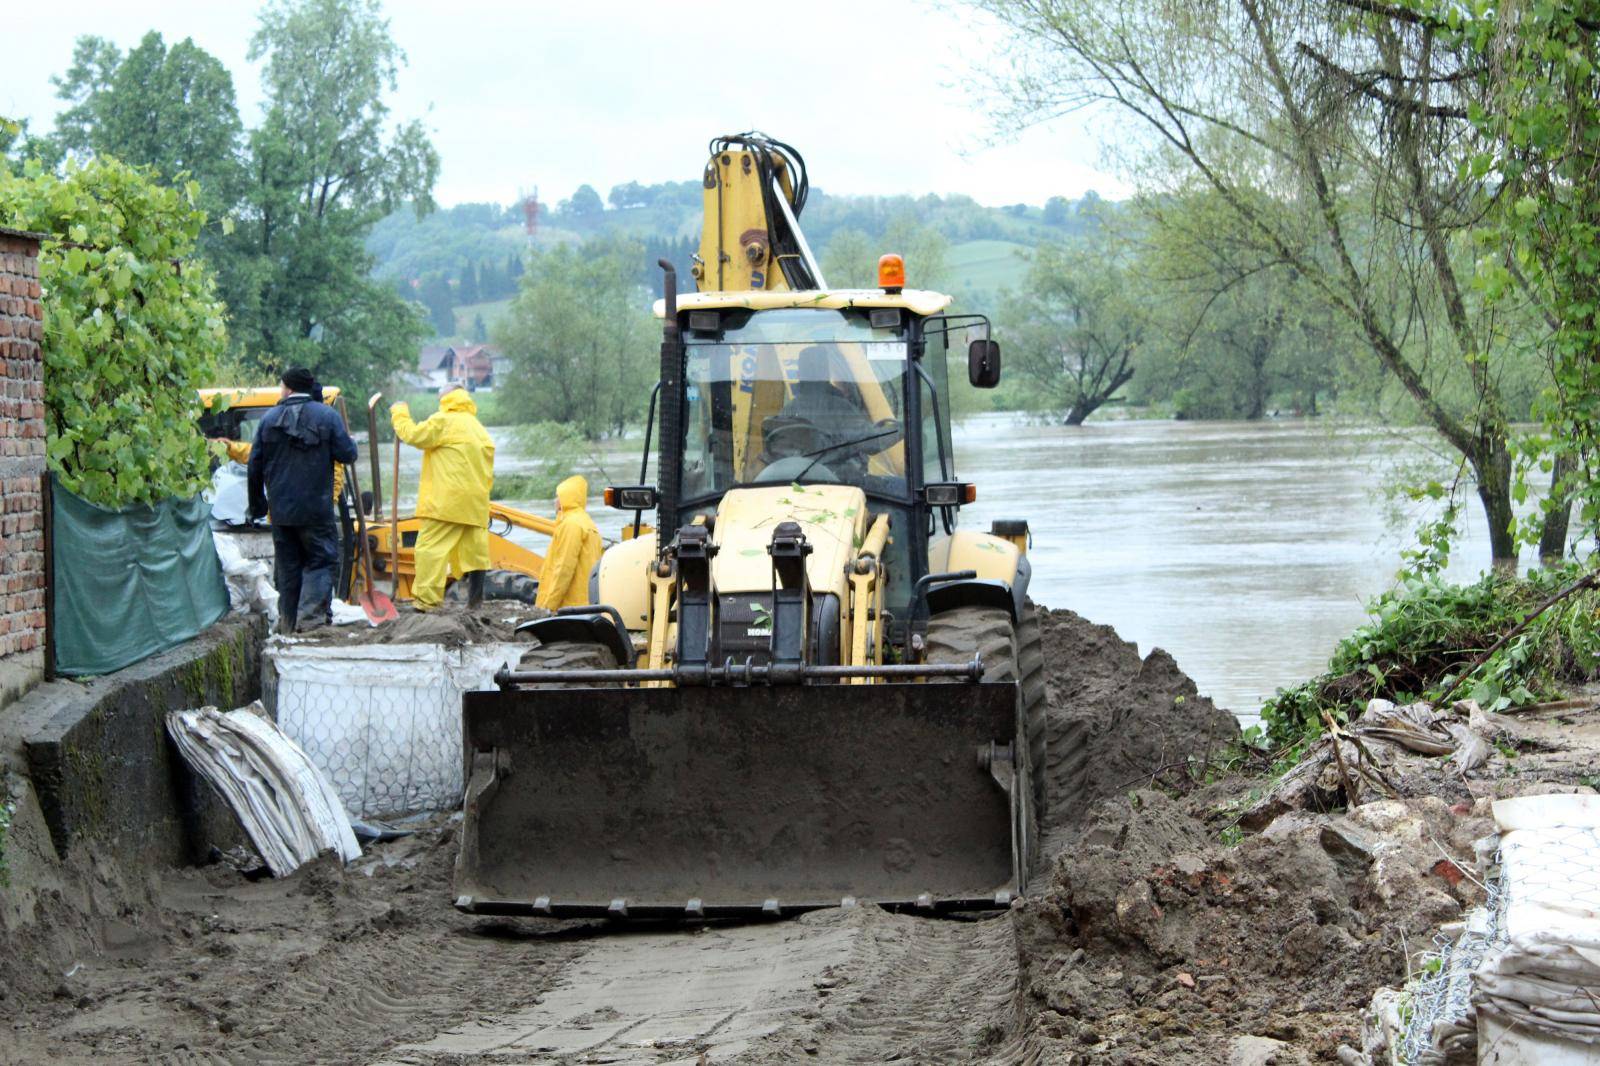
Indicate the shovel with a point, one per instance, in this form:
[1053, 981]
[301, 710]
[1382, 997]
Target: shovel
[394, 524]
[379, 608]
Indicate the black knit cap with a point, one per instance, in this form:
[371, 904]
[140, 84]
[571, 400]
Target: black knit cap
[298, 379]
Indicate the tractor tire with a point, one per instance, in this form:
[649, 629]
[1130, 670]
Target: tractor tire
[498, 585]
[567, 655]
[1009, 653]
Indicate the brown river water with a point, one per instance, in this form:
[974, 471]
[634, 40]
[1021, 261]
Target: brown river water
[1245, 549]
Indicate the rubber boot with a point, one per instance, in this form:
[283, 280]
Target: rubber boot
[475, 589]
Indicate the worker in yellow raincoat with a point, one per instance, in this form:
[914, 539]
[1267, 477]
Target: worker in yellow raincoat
[574, 549]
[453, 498]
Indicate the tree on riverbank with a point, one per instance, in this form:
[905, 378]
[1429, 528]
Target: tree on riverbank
[1074, 331]
[1335, 140]
[580, 339]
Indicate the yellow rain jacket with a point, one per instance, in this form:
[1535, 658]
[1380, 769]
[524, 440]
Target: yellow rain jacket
[574, 549]
[457, 459]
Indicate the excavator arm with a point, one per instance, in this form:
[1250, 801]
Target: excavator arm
[755, 188]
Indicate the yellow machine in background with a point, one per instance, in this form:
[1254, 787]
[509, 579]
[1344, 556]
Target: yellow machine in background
[233, 414]
[771, 706]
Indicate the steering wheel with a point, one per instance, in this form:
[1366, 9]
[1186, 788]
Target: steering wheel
[791, 467]
[789, 437]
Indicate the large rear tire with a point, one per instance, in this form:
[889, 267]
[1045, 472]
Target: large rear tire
[567, 655]
[498, 585]
[1010, 652]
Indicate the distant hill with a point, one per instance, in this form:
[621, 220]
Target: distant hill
[462, 261]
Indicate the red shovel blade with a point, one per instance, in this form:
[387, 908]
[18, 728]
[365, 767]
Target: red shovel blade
[379, 607]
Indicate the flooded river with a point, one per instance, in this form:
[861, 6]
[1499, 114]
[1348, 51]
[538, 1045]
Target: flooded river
[1246, 549]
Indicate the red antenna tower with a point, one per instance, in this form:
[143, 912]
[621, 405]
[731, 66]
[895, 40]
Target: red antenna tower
[530, 214]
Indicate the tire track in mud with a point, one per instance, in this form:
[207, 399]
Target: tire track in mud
[832, 986]
[326, 967]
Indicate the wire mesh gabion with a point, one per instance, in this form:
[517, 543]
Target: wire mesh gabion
[384, 725]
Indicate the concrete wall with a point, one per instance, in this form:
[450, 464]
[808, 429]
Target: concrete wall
[106, 774]
[22, 573]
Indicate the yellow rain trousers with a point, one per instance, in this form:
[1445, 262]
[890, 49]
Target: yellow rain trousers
[453, 497]
[574, 549]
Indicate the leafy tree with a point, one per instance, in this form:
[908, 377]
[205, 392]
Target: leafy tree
[925, 249]
[848, 262]
[1057, 211]
[1536, 72]
[632, 194]
[132, 327]
[171, 109]
[580, 341]
[467, 287]
[584, 202]
[480, 331]
[440, 301]
[1355, 124]
[322, 173]
[1075, 331]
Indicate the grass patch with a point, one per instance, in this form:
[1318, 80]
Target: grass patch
[1425, 631]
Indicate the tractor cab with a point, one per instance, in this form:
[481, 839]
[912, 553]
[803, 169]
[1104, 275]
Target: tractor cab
[799, 392]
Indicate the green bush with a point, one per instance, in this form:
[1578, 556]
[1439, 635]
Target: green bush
[132, 328]
[559, 452]
[1425, 631]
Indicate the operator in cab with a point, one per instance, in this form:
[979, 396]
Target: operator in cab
[824, 428]
[453, 497]
[574, 549]
[291, 477]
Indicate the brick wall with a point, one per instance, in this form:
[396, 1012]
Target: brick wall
[22, 564]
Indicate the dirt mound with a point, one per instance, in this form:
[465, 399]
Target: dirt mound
[1118, 721]
[1154, 941]
[449, 624]
[333, 964]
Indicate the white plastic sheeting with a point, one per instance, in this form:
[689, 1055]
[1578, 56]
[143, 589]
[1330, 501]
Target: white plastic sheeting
[286, 806]
[1537, 985]
[383, 721]
[250, 588]
[230, 494]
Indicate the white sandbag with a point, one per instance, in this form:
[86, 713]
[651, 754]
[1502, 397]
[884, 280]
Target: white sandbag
[383, 721]
[285, 805]
[230, 494]
[249, 580]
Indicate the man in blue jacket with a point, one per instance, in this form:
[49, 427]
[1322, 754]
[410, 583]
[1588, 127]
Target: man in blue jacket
[291, 477]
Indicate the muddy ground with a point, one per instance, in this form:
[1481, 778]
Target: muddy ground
[1158, 936]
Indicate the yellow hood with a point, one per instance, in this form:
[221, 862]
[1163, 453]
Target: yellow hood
[457, 401]
[572, 493]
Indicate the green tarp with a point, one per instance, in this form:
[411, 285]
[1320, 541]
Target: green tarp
[129, 584]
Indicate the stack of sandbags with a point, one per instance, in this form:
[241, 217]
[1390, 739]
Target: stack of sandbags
[1538, 987]
[285, 804]
[250, 588]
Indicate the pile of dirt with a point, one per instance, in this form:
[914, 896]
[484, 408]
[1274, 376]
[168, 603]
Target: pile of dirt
[332, 964]
[1119, 722]
[449, 624]
[1155, 942]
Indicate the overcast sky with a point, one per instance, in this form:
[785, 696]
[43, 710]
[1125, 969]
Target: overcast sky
[521, 94]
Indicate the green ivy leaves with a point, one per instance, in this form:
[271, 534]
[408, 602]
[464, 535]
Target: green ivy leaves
[132, 328]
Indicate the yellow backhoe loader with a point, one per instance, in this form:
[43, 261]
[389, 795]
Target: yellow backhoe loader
[232, 415]
[811, 688]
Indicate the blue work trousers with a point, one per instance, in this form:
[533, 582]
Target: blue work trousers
[305, 560]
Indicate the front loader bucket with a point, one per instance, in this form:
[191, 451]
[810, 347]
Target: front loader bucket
[739, 801]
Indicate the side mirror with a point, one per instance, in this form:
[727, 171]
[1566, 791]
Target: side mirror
[983, 363]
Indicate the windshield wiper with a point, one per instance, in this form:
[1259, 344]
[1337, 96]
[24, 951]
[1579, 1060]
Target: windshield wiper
[820, 452]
